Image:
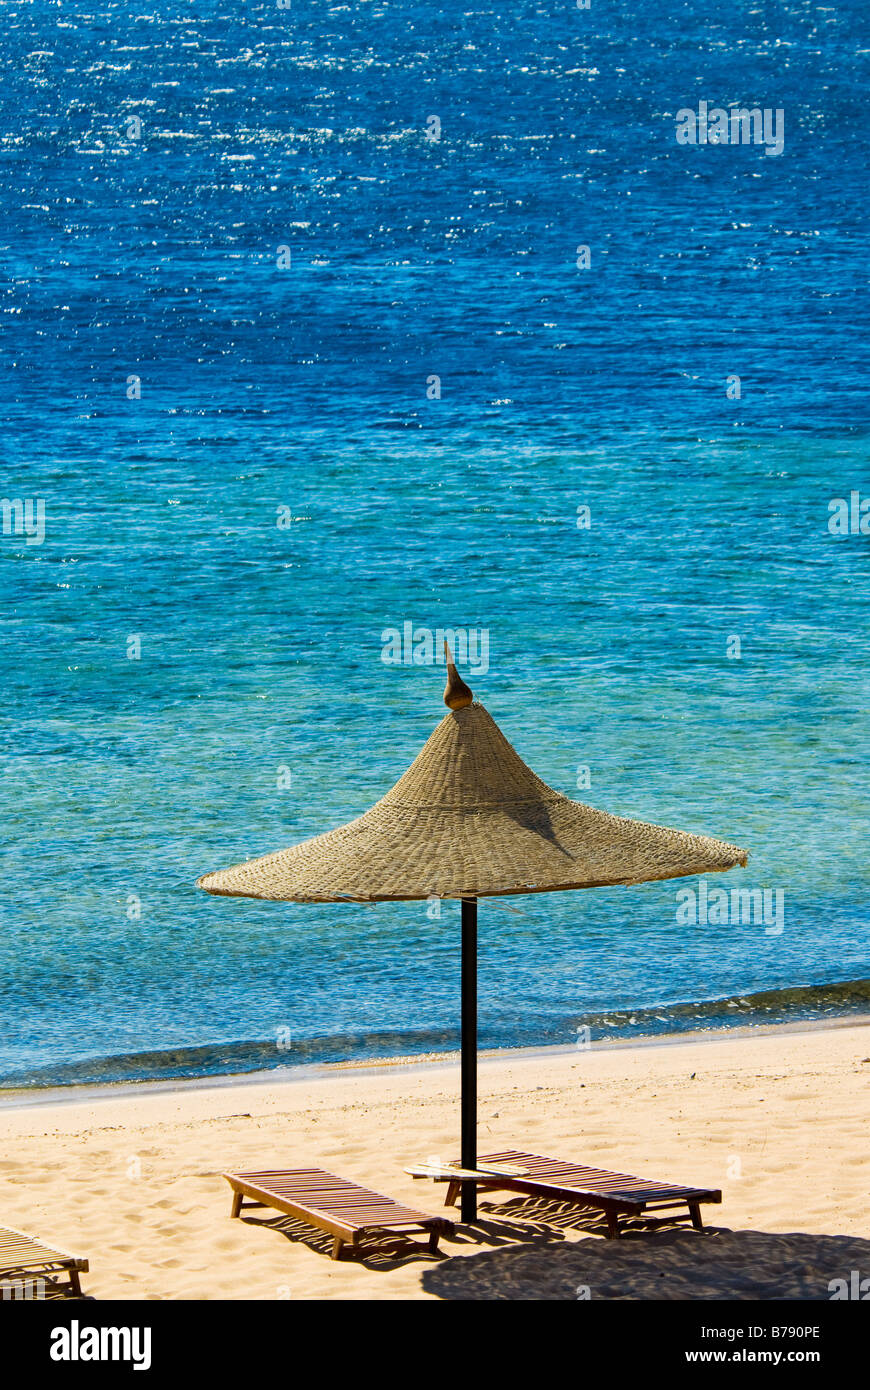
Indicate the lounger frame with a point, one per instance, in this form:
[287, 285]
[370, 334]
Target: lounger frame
[23, 1259]
[328, 1203]
[614, 1194]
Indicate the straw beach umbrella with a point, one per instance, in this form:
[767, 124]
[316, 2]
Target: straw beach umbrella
[470, 820]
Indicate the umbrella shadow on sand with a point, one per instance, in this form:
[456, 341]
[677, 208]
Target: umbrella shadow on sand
[678, 1264]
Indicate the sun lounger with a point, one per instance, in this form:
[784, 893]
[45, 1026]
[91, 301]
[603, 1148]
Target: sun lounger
[614, 1194]
[27, 1265]
[342, 1209]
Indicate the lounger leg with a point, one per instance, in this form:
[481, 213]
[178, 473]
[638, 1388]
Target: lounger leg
[433, 1241]
[337, 1243]
[453, 1190]
[695, 1212]
[75, 1283]
[612, 1225]
[237, 1204]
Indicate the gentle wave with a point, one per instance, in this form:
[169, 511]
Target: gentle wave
[799, 1003]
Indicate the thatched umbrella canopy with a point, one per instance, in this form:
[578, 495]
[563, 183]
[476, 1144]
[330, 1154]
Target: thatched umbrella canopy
[469, 820]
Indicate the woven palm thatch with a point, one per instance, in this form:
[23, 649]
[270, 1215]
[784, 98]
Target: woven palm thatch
[470, 819]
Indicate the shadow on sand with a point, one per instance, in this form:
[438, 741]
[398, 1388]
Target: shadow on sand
[674, 1264]
[377, 1252]
[518, 1250]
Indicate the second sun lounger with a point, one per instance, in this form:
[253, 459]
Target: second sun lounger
[26, 1265]
[614, 1194]
[328, 1203]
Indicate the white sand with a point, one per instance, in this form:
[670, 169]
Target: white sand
[778, 1120]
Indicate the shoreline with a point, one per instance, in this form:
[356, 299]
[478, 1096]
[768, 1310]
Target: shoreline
[222, 1062]
[14, 1099]
[132, 1178]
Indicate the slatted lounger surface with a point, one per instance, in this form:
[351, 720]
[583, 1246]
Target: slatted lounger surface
[23, 1260]
[615, 1194]
[347, 1212]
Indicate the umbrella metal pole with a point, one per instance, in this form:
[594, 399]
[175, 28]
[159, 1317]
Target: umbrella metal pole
[468, 1157]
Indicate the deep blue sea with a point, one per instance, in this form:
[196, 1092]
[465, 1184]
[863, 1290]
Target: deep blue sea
[173, 384]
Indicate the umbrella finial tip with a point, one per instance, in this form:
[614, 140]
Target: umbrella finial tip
[456, 693]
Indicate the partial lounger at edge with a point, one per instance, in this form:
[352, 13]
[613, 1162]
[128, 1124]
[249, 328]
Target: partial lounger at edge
[24, 1260]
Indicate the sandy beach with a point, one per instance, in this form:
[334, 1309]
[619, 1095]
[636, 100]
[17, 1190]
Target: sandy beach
[778, 1120]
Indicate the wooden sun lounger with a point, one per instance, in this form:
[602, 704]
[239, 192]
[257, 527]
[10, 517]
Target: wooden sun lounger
[342, 1209]
[24, 1261]
[614, 1194]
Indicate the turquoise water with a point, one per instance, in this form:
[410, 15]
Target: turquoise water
[306, 389]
